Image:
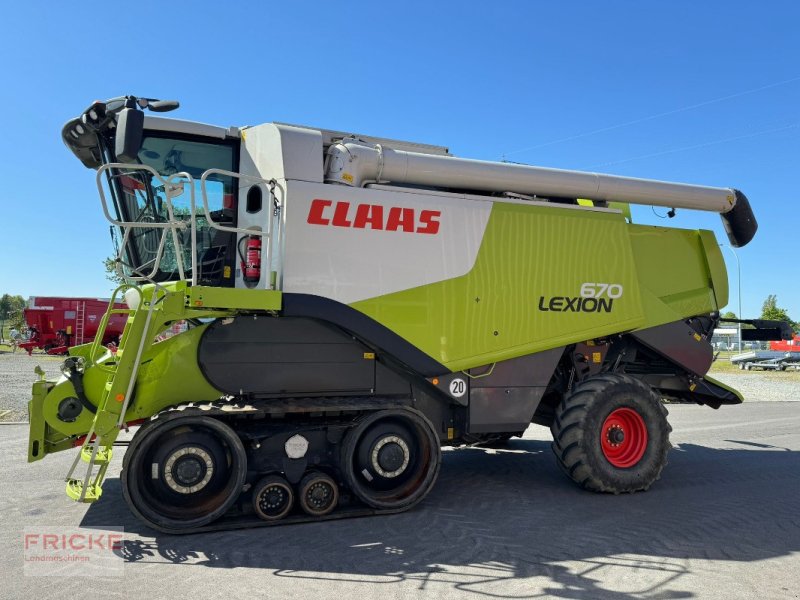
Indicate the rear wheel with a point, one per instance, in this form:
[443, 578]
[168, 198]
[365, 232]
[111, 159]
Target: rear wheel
[183, 472]
[611, 434]
[391, 459]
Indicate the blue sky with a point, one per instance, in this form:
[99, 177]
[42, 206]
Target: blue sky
[703, 93]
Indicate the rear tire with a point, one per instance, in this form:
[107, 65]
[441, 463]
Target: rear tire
[611, 434]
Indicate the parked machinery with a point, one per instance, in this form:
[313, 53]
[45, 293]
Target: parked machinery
[57, 323]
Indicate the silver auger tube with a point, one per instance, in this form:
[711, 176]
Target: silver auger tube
[355, 163]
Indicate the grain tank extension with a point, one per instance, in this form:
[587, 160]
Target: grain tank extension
[356, 303]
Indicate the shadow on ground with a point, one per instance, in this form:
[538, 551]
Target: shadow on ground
[497, 516]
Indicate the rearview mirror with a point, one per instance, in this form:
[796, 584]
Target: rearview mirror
[130, 127]
[173, 190]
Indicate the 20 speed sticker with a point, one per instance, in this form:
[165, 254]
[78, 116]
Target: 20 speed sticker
[458, 387]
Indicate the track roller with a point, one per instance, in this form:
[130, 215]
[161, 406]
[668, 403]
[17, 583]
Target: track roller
[272, 498]
[318, 494]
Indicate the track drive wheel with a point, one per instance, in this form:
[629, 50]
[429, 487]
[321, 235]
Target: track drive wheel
[183, 471]
[611, 434]
[391, 458]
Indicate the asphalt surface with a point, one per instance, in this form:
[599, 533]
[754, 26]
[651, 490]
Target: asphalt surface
[723, 522]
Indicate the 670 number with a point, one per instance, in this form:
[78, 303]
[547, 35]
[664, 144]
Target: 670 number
[596, 290]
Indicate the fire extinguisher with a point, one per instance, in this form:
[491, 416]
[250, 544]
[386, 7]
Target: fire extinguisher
[251, 258]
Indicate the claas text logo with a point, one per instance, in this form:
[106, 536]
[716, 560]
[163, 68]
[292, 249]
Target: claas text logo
[373, 216]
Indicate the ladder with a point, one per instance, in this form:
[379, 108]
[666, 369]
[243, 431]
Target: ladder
[96, 449]
[80, 323]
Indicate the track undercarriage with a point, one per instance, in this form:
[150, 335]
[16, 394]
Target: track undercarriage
[227, 465]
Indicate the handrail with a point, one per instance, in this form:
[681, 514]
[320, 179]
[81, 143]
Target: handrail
[274, 226]
[270, 233]
[97, 343]
[173, 225]
[204, 196]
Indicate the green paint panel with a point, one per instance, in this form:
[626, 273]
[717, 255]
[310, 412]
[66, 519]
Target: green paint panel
[232, 298]
[532, 256]
[170, 375]
[673, 272]
[529, 255]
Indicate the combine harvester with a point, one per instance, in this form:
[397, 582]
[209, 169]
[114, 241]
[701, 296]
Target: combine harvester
[781, 355]
[355, 303]
[55, 323]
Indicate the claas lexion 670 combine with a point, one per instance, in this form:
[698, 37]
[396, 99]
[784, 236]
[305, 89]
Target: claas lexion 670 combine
[356, 303]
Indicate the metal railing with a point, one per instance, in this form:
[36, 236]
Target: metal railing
[174, 186]
[268, 236]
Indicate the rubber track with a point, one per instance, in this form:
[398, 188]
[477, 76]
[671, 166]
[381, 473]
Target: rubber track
[234, 519]
[231, 523]
[568, 434]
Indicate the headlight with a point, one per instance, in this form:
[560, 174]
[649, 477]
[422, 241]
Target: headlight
[132, 298]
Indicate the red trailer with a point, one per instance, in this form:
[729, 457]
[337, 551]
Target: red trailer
[792, 345]
[55, 324]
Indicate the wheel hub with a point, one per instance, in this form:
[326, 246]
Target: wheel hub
[273, 497]
[188, 470]
[390, 456]
[616, 435]
[319, 495]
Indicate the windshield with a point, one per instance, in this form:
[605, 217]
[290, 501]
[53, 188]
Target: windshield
[141, 198]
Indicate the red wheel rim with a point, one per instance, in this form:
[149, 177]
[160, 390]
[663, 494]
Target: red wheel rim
[623, 438]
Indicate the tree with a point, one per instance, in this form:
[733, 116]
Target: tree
[770, 310]
[11, 310]
[729, 315]
[5, 311]
[110, 265]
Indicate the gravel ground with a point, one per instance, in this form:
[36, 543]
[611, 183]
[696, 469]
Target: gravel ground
[16, 377]
[763, 386]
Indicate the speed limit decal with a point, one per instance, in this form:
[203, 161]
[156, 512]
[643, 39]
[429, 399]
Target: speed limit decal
[458, 387]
